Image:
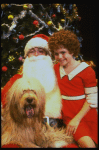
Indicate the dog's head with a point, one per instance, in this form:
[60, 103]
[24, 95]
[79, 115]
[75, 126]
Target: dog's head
[26, 100]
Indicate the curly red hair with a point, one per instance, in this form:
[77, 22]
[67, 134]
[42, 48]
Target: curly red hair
[64, 38]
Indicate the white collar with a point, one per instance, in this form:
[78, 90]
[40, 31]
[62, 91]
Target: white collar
[73, 73]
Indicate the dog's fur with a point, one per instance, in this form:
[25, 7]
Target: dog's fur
[28, 129]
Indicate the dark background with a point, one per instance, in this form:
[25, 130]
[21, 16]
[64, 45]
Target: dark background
[89, 32]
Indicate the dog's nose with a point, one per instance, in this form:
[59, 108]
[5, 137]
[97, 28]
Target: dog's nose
[29, 100]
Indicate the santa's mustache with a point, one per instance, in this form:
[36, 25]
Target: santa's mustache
[35, 58]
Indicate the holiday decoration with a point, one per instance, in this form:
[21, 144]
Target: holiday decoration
[11, 58]
[35, 22]
[4, 68]
[25, 6]
[10, 17]
[53, 16]
[62, 20]
[49, 23]
[2, 6]
[20, 58]
[20, 22]
[21, 37]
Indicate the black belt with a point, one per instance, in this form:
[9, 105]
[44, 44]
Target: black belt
[54, 122]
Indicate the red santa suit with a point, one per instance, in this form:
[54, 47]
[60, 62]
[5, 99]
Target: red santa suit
[77, 87]
[7, 87]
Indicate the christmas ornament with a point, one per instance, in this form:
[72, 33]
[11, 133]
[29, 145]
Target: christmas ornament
[21, 37]
[56, 5]
[2, 6]
[4, 68]
[10, 17]
[36, 17]
[53, 16]
[49, 23]
[62, 20]
[20, 58]
[11, 58]
[35, 23]
[25, 6]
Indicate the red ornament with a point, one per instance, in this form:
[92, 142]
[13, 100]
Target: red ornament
[20, 58]
[4, 68]
[35, 22]
[53, 16]
[21, 37]
[79, 18]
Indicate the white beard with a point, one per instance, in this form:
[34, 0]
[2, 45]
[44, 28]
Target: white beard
[41, 68]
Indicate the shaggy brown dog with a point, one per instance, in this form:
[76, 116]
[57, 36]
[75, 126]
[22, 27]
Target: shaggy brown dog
[23, 118]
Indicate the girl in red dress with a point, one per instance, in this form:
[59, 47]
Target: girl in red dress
[77, 82]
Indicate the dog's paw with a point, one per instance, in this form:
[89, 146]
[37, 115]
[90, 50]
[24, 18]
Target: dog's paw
[60, 144]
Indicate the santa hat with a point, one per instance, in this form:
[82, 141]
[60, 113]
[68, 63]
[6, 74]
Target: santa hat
[39, 40]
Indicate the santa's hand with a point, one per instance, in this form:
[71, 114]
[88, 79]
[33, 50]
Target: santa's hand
[72, 127]
[92, 99]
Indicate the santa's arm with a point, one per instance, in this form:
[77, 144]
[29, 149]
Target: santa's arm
[7, 87]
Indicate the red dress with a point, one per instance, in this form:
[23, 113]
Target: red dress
[73, 89]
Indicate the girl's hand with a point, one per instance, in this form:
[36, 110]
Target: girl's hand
[72, 126]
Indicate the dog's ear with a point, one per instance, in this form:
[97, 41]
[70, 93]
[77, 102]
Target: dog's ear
[14, 112]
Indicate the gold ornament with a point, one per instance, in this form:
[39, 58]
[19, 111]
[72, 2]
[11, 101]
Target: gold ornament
[56, 5]
[11, 58]
[25, 6]
[49, 23]
[10, 17]
[2, 6]
[62, 20]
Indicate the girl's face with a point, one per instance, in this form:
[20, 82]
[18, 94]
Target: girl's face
[63, 56]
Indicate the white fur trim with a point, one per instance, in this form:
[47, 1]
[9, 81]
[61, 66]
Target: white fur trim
[35, 42]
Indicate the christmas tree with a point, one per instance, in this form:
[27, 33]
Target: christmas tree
[20, 22]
